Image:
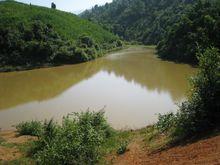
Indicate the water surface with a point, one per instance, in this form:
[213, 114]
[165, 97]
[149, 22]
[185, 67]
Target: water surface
[133, 85]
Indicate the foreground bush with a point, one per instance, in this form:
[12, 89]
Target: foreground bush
[77, 140]
[201, 112]
[33, 128]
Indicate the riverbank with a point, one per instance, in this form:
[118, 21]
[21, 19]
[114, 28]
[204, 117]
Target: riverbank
[144, 146]
[10, 68]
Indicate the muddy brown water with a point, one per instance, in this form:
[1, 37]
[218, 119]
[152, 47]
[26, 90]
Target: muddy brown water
[132, 86]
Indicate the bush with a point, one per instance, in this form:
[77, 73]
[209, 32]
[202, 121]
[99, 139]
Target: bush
[77, 141]
[165, 122]
[123, 148]
[33, 128]
[119, 43]
[85, 40]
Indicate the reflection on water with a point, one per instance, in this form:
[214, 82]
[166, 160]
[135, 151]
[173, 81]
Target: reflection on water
[132, 84]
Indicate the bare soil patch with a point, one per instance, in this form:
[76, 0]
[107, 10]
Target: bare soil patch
[9, 152]
[204, 152]
[13, 137]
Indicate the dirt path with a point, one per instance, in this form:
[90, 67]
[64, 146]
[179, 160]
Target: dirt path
[204, 152]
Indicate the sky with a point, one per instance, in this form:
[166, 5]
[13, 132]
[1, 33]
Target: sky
[74, 6]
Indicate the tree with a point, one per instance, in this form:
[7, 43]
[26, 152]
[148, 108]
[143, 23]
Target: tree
[53, 5]
[201, 112]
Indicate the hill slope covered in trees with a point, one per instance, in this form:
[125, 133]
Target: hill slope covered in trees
[177, 26]
[34, 36]
[141, 20]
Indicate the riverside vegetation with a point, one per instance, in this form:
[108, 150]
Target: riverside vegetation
[32, 36]
[82, 138]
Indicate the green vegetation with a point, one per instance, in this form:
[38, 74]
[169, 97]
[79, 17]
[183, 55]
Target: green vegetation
[200, 114]
[122, 148]
[144, 21]
[32, 36]
[1, 140]
[200, 26]
[33, 128]
[81, 139]
[176, 27]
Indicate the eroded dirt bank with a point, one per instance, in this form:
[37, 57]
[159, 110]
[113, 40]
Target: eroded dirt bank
[204, 152]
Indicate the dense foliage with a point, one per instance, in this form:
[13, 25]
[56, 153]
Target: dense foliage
[200, 26]
[177, 26]
[77, 141]
[32, 36]
[201, 112]
[140, 20]
[33, 128]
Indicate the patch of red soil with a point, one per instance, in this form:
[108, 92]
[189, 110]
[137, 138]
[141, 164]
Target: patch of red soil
[203, 152]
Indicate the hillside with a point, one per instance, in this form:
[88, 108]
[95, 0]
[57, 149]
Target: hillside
[178, 27]
[141, 20]
[32, 35]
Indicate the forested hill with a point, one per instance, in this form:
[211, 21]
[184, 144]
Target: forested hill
[141, 20]
[34, 36]
[178, 27]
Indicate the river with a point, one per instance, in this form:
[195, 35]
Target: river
[131, 85]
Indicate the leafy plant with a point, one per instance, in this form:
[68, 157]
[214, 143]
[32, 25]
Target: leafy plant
[77, 141]
[33, 128]
[122, 148]
[165, 122]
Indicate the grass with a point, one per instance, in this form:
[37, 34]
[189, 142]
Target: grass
[154, 139]
[24, 161]
[1, 140]
[114, 143]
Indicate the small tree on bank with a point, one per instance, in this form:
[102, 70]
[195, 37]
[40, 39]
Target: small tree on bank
[53, 5]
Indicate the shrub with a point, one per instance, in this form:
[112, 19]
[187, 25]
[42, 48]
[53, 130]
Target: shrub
[201, 112]
[86, 40]
[77, 141]
[80, 55]
[165, 122]
[33, 128]
[122, 148]
[119, 43]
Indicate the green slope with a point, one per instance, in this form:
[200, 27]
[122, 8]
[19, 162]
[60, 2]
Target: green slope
[145, 21]
[178, 27]
[62, 37]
